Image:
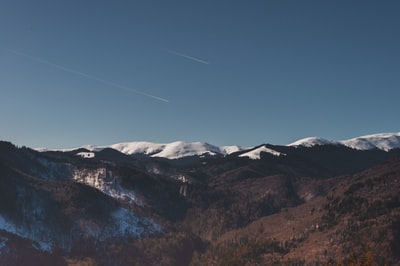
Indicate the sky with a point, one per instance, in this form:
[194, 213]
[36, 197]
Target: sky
[76, 72]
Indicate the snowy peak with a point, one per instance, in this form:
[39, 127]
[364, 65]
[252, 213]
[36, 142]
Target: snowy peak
[383, 141]
[231, 149]
[256, 153]
[181, 149]
[313, 141]
[138, 147]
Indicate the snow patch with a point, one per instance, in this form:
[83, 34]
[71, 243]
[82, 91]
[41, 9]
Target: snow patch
[42, 246]
[86, 154]
[313, 141]
[104, 180]
[232, 149]
[3, 242]
[11, 228]
[128, 224]
[7, 225]
[256, 153]
[3, 246]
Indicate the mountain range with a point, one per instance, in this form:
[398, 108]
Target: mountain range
[311, 202]
[180, 149]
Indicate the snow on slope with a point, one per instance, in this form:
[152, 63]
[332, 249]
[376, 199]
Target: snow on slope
[312, 141]
[256, 153]
[181, 149]
[10, 227]
[383, 141]
[232, 149]
[174, 150]
[104, 180]
[138, 147]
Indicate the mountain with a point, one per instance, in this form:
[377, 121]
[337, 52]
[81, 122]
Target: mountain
[313, 141]
[180, 149]
[356, 222]
[174, 150]
[255, 154]
[198, 204]
[383, 141]
[61, 203]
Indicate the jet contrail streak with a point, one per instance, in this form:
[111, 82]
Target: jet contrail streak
[42, 61]
[187, 57]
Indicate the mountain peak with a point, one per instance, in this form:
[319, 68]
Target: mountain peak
[255, 154]
[313, 141]
[381, 141]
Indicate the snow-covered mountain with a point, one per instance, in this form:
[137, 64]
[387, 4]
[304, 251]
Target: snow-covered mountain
[111, 206]
[383, 141]
[173, 150]
[313, 141]
[255, 154]
[181, 149]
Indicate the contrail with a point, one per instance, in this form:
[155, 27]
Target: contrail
[42, 61]
[187, 57]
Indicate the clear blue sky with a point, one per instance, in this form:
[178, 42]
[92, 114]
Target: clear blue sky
[234, 72]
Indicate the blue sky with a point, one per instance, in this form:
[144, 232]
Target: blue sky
[233, 72]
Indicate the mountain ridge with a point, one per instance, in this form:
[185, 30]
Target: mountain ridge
[146, 209]
[173, 150]
[181, 149]
[380, 141]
